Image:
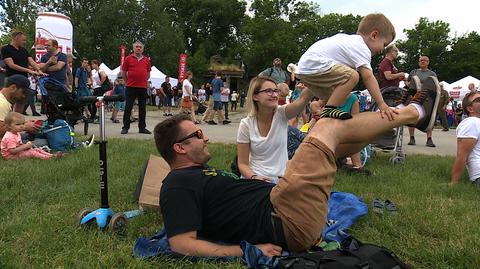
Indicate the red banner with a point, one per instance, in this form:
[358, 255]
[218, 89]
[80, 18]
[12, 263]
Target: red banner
[182, 67]
[122, 54]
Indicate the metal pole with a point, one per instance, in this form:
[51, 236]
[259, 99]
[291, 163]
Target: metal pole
[103, 156]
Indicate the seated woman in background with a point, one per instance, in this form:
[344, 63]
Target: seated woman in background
[262, 135]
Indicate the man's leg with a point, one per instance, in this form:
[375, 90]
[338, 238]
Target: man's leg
[443, 119]
[225, 108]
[142, 108]
[129, 100]
[301, 197]
[411, 132]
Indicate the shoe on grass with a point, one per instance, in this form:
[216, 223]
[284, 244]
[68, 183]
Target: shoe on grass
[428, 98]
[378, 206]
[391, 207]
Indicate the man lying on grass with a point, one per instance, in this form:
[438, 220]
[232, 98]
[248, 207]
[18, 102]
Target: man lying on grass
[201, 205]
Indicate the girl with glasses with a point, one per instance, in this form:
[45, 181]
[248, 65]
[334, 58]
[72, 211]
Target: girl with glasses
[262, 135]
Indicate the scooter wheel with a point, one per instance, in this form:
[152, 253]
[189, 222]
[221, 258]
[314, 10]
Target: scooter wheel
[118, 223]
[83, 213]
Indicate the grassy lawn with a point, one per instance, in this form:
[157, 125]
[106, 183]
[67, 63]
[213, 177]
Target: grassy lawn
[437, 226]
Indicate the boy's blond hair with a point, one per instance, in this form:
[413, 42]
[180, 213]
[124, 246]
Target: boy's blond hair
[11, 116]
[376, 22]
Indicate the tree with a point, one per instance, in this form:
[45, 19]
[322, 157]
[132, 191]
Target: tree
[19, 15]
[464, 57]
[427, 38]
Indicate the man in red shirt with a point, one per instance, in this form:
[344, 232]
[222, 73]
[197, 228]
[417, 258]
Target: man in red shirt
[389, 75]
[136, 71]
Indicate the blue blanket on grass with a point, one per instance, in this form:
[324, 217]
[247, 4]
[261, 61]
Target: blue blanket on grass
[344, 209]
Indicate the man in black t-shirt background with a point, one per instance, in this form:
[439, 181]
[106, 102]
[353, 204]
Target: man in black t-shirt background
[18, 60]
[198, 201]
[167, 93]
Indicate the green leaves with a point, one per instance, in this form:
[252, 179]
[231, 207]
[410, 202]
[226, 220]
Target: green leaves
[204, 28]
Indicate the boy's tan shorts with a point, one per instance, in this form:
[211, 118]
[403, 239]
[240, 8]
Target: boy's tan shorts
[322, 84]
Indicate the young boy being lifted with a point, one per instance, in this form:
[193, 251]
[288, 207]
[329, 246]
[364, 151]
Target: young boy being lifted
[330, 67]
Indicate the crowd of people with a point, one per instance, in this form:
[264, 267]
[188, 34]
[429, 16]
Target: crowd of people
[280, 205]
[276, 203]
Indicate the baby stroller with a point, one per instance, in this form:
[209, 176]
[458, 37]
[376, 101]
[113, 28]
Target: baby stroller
[392, 140]
[201, 108]
[60, 103]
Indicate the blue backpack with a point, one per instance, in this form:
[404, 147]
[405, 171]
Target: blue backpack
[60, 136]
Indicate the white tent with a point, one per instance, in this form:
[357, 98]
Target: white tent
[459, 88]
[114, 73]
[157, 77]
[105, 68]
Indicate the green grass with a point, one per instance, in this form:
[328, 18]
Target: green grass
[437, 226]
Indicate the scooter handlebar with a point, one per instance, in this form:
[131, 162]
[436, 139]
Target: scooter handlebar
[93, 99]
[114, 98]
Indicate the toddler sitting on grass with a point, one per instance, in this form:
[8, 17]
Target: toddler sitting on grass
[11, 146]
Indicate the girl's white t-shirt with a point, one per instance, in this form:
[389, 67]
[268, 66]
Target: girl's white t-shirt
[268, 154]
[186, 82]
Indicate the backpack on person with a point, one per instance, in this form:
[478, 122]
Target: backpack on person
[352, 255]
[60, 136]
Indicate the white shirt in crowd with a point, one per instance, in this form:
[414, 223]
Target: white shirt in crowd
[234, 96]
[186, 83]
[349, 50]
[224, 94]
[470, 128]
[268, 154]
[96, 78]
[201, 95]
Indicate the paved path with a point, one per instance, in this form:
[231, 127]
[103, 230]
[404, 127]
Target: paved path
[445, 141]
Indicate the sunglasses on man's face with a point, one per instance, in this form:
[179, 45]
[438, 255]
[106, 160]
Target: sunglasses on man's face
[198, 134]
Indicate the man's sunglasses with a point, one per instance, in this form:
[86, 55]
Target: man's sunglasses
[198, 134]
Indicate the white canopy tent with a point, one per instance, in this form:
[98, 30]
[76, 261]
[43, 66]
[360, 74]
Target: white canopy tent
[459, 88]
[157, 77]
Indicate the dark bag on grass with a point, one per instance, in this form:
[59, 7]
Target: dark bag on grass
[352, 255]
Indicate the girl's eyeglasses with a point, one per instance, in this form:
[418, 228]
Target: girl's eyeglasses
[270, 91]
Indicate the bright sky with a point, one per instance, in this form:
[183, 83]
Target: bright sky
[462, 15]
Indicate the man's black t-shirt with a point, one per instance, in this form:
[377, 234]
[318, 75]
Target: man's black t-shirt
[216, 204]
[19, 57]
[167, 89]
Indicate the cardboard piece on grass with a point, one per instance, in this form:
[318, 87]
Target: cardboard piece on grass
[150, 182]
